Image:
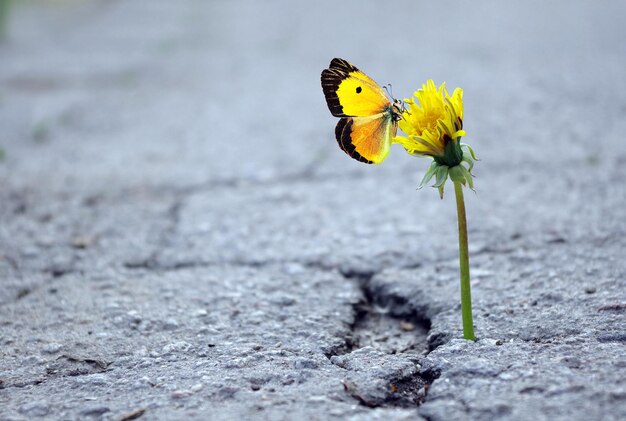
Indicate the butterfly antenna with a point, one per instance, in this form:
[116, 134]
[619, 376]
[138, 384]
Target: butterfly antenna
[387, 90]
[391, 91]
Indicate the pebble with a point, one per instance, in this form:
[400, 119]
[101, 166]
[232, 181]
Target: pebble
[93, 379]
[134, 315]
[52, 348]
[180, 346]
[170, 324]
[95, 411]
[407, 326]
[305, 363]
[35, 409]
[227, 392]
[180, 394]
[32, 359]
[143, 383]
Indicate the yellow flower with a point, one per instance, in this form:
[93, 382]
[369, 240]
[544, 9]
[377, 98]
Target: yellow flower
[432, 119]
[433, 124]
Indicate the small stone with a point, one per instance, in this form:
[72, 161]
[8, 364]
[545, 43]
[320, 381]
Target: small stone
[305, 363]
[227, 392]
[180, 394]
[170, 324]
[590, 290]
[82, 241]
[407, 326]
[200, 312]
[572, 362]
[285, 301]
[180, 346]
[133, 415]
[294, 268]
[618, 395]
[34, 360]
[143, 383]
[134, 315]
[196, 387]
[96, 379]
[35, 409]
[112, 306]
[95, 411]
[52, 348]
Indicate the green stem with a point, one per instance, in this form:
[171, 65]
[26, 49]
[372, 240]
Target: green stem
[4, 17]
[466, 292]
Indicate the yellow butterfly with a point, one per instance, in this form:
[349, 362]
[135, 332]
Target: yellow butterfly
[369, 121]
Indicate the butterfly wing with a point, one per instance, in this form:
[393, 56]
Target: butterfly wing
[366, 139]
[351, 93]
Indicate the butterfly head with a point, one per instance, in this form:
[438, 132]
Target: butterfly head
[397, 105]
[397, 109]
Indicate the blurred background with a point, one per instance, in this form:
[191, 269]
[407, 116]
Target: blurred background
[161, 92]
[116, 97]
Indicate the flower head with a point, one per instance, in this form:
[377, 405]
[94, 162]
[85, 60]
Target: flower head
[433, 124]
[433, 119]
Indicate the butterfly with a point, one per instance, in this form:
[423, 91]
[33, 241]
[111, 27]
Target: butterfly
[369, 121]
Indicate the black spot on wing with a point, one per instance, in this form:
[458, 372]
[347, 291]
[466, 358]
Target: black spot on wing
[342, 134]
[337, 71]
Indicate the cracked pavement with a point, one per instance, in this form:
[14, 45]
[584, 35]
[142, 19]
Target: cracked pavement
[181, 237]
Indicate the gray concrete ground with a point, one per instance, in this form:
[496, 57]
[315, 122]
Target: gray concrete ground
[181, 237]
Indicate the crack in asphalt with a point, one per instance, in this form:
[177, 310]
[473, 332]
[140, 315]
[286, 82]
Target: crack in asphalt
[374, 325]
[404, 333]
[65, 365]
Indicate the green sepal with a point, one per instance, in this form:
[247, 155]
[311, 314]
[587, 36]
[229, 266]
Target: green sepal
[441, 191]
[469, 160]
[470, 150]
[467, 176]
[442, 175]
[429, 174]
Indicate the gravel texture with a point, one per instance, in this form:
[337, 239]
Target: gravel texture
[181, 237]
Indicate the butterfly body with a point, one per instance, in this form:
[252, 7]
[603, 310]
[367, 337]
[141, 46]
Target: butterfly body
[368, 119]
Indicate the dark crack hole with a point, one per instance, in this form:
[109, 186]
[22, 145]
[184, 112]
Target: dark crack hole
[388, 324]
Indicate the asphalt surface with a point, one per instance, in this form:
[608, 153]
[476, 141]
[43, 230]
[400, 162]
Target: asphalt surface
[181, 237]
